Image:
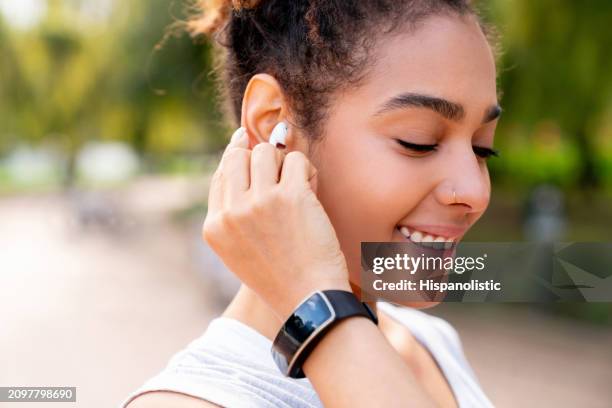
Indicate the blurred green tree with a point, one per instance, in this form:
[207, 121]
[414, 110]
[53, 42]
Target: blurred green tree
[557, 66]
[109, 69]
[77, 77]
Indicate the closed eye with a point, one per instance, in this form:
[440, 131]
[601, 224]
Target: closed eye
[485, 152]
[419, 148]
[480, 151]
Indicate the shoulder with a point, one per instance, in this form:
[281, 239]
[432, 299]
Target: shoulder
[423, 325]
[163, 399]
[229, 365]
[434, 332]
[447, 331]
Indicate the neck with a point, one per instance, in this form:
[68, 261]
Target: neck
[251, 310]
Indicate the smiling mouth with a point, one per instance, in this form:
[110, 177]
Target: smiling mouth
[426, 240]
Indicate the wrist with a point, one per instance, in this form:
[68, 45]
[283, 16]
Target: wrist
[294, 296]
[310, 322]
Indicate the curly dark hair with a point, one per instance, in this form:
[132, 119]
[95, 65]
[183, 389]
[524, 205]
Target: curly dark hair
[312, 47]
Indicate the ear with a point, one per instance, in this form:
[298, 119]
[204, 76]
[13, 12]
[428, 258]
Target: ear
[263, 106]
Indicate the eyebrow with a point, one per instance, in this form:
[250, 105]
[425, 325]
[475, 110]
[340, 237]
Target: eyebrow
[450, 110]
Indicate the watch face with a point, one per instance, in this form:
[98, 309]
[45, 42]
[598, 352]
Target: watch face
[307, 318]
[312, 315]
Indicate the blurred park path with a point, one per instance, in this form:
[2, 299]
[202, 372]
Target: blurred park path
[526, 358]
[98, 290]
[96, 303]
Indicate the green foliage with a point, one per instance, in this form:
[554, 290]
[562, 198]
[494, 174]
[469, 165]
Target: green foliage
[557, 67]
[126, 75]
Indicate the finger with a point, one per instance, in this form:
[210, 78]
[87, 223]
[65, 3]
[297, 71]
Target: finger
[236, 178]
[265, 166]
[215, 192]
[280, 158]
[297, 170]
[237, 138]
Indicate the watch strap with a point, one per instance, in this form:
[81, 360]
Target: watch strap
[345, 304]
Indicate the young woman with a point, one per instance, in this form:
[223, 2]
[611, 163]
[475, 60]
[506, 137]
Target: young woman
[391, 108]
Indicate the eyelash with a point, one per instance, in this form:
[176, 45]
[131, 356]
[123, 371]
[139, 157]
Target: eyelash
[483, 152]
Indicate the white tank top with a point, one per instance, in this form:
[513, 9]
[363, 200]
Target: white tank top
[231, 365]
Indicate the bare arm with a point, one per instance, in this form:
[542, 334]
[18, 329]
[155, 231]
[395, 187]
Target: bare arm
[355, 366]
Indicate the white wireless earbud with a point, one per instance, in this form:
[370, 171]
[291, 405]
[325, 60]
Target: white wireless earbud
[279, 134]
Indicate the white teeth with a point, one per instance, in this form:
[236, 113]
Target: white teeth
[427, 240]
[405, 232]
[416, 236]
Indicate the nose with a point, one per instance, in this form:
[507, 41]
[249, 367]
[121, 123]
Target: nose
[467, 175]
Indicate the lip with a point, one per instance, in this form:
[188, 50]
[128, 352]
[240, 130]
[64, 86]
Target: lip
[448, 231]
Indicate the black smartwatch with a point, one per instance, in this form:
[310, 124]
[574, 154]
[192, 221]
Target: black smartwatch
[308, 324]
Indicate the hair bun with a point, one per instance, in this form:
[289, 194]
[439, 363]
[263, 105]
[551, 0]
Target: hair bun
[212, 15]
[244, 4]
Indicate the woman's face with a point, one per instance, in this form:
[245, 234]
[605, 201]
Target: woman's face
[434, 86]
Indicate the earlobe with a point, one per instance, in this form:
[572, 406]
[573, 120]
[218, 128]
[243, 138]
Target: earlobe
[263, 109]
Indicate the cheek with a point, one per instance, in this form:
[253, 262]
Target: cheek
[367, 187]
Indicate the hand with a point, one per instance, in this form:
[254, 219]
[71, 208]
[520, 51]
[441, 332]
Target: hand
[266, 224]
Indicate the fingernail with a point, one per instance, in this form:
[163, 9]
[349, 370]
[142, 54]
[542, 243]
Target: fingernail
[237, 134]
